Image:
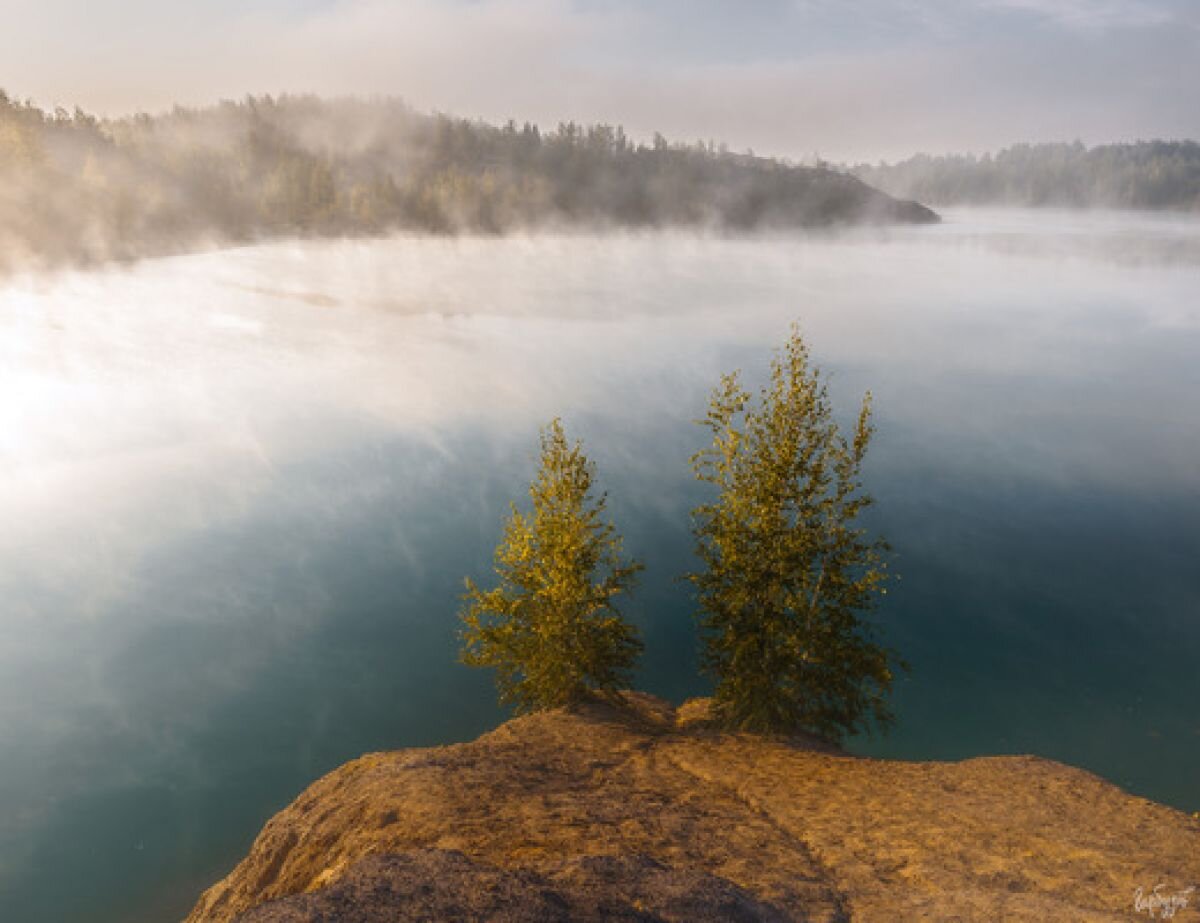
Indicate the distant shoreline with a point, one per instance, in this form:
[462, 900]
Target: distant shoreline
[77, 190]
[1143, 175]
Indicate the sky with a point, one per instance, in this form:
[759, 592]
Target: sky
[846, 80]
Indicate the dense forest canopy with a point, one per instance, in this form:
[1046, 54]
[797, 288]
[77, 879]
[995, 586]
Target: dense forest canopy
[1147, 174]
[74, 188]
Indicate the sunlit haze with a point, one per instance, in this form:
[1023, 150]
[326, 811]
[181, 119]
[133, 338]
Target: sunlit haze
[846, 81]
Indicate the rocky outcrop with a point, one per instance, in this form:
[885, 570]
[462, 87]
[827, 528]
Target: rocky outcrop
[638, 811]
[440, 884]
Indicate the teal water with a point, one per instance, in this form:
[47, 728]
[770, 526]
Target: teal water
[241, 491]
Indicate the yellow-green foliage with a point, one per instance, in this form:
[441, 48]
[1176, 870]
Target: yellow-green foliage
[787, 572]
[550, 627]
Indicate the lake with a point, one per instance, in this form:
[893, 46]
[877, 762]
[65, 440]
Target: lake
[241, 490]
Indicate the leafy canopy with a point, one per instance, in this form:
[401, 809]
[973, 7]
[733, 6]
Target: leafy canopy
[787, 572]
[550, 627]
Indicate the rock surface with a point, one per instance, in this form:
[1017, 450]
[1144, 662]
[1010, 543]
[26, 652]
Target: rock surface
[643, 812]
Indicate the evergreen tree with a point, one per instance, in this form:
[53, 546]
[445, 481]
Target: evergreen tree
[550, 627]
[787, 572]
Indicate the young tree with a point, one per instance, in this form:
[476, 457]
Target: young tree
[550, 627]
[787, 572]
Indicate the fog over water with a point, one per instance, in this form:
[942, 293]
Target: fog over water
[240, 491]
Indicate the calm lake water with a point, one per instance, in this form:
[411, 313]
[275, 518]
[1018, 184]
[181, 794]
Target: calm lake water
[240, 492]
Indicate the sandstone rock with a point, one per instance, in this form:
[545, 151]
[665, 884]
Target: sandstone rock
[638, 811]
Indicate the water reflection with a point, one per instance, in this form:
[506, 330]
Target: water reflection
[241, 490]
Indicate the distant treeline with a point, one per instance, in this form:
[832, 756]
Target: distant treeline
[75, 188]
[1148, 174]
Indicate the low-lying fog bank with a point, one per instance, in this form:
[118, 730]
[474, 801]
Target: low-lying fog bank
[75, 190]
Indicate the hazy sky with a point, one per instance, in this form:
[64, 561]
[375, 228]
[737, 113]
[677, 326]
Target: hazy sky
[847, 79]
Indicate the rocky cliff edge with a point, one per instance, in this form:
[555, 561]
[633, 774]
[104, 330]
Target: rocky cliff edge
[640, 811]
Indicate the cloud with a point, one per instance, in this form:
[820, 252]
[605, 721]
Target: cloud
[880, 79]
[1092, 14]
[141, 57]
[964, 18]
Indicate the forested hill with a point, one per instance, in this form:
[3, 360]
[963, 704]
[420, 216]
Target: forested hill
[1148, 174]
[74, 188]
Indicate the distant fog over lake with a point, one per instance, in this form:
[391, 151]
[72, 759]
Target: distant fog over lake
[241, 489]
